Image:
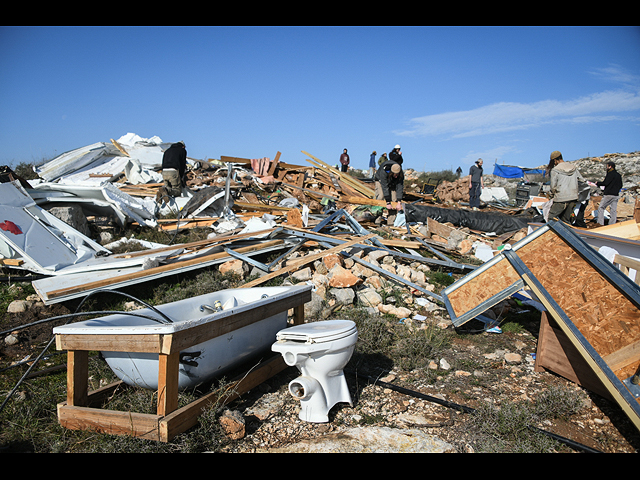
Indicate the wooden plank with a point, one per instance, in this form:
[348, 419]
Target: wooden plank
[168, 383]
[556, 353]
[628, 355]
[274, 164]
[77, 377]
[111, 422]
[153, 271]
[110, 343]
[362, 201]
[305, 260]
[359, 186]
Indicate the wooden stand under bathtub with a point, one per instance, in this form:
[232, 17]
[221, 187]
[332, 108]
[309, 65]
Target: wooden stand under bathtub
[82, 411]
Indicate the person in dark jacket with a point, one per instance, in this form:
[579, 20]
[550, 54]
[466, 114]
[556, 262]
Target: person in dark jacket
[344, 161]
[396, 155]
[174, 169]
[476, 184]
[612, 184]
[390, 187]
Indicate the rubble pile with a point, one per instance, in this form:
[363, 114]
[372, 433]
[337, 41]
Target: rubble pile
[253, 207]
[307, 222]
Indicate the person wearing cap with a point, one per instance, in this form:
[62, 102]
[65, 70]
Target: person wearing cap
[344, 161]
[390, 187]
[563, 187]
[174, 169]
[476, 184]
[396, 155]
[612, 184]
[383, 158]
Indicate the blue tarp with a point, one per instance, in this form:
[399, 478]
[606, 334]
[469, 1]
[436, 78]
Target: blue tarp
[506, 171]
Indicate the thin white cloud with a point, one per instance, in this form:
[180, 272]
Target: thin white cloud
[617, 74]
[509, 116]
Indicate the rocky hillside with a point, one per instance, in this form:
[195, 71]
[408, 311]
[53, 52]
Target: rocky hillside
[591, 168]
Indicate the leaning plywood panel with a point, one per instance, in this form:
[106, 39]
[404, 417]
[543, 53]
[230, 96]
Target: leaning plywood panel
[597, 306]
[480, 290]
[621, 388]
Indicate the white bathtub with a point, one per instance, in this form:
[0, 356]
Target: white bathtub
[203, 361]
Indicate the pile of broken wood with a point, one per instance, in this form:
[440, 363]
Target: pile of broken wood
[316, 221]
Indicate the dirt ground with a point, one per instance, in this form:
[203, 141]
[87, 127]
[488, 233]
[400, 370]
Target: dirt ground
[481, 375]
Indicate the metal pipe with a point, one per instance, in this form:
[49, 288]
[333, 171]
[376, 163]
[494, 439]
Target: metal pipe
[465, 409]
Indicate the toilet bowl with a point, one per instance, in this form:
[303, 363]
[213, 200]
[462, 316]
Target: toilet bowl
[320, 351]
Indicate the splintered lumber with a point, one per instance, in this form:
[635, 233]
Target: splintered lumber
[150, 272]
[363, 201]
[348, 179]
[305, 260]
[629, 230]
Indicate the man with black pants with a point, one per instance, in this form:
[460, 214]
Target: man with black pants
[612, 184]
[476, 184]
[174, 168]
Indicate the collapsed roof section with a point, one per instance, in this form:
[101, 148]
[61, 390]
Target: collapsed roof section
[37, 240]
[90, 165]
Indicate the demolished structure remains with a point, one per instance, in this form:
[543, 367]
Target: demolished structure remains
[324, 227]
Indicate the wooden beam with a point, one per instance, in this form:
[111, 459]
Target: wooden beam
[305, 260]
[168, 383]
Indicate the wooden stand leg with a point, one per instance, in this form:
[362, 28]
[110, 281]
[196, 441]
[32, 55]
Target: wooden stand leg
[77, 378]
[168, 383]
[298, 315]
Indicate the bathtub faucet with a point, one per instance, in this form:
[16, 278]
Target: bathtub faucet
[216, 308]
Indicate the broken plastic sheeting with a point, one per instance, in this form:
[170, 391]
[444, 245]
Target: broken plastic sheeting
[42, 241]
[124, 207]
[76, 166]
[485, 222]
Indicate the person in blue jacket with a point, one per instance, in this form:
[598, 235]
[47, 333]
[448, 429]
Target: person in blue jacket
[372, 164]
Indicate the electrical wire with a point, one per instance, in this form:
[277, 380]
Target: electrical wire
[76, 314]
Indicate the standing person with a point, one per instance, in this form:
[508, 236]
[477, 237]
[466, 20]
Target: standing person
[396, 155]
[383, 158]
[174, 169]
[372, 164]
[344, 161]
[612, 184]
[390, 187]
[563, 188]
[476, 184]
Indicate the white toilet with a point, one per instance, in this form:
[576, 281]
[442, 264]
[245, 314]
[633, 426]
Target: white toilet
[320, 351]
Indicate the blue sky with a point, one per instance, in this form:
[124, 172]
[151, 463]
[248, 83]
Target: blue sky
[447, 95]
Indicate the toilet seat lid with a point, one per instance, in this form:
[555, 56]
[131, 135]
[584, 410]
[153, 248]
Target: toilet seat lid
[318, 332]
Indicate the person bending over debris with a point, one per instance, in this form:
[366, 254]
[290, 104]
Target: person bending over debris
[476, 184]
[390, 187]
[612, 184]
[563, 187]
[174, 169]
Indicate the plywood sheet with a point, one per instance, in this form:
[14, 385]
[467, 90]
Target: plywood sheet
[606, 318]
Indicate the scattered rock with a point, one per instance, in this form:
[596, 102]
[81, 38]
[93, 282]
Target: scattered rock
[302, 275]
[341, 278]
[369, 297]
[236, 267]
[343, 296]
[233, 424]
